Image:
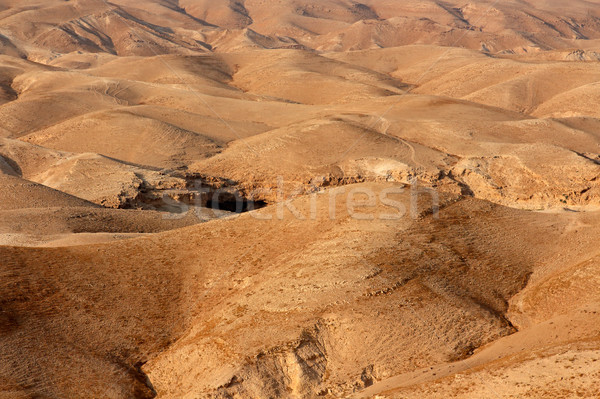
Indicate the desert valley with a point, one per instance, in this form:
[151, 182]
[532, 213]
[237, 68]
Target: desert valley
[299, 199]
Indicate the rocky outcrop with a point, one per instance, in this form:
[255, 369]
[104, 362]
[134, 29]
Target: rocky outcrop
[296, 370]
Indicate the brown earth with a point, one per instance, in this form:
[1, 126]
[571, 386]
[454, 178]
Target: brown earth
[133, 132]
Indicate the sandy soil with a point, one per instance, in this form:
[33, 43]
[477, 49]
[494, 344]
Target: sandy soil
[179, 184]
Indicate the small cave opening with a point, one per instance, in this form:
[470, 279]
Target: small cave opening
[229, 202]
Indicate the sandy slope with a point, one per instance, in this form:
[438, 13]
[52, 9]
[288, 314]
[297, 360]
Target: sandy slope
[320, 298]
[120, 122]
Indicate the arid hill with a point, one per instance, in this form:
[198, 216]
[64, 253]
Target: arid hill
[299, 199]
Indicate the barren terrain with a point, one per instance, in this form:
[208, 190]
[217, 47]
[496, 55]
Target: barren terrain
[299, 199]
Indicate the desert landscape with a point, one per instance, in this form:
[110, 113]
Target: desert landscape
[242, 199]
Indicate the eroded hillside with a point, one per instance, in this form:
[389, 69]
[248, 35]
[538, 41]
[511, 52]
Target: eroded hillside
[134, 133]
